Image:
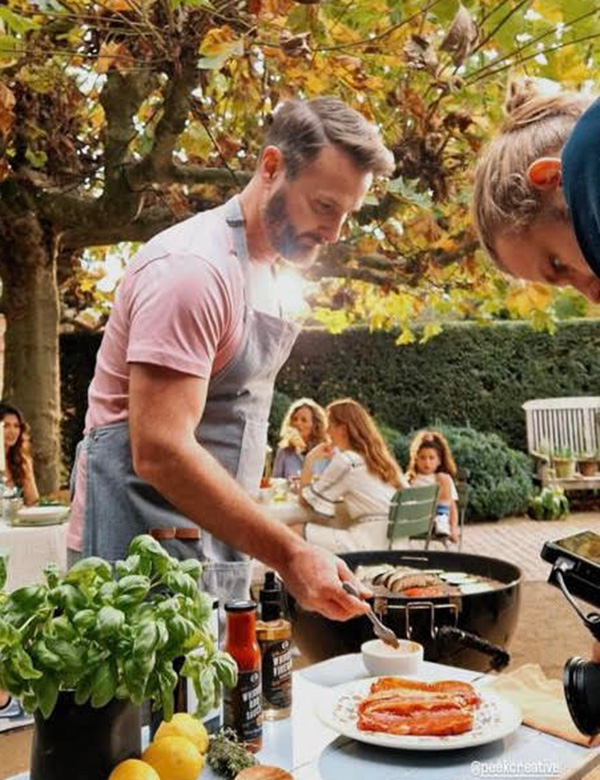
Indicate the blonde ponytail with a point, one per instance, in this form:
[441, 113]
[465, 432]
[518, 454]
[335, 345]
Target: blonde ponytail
[537, 125]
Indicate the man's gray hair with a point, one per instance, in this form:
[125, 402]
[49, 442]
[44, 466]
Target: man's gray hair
[301, 128]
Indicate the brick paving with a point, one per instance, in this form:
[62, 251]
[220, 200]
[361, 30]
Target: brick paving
[520, 540]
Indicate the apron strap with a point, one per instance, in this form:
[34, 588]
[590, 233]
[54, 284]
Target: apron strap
[236, 222]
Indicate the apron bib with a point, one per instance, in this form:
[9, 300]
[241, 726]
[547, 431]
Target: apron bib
[119, 505]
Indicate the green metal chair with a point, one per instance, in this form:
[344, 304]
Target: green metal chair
[411, 514]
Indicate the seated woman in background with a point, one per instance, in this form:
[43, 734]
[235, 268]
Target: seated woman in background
[303, 428]
[362, 475]
[431, 463]
[17, 451]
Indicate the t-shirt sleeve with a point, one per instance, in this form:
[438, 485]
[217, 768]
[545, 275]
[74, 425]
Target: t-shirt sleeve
[323, 494]
[180, 311]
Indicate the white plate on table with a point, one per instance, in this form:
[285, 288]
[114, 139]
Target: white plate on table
[42, 515]
[495, 718]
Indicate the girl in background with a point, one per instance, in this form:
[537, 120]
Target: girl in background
[361, 477]
[303, 428]
[431, 462]
[17, 451]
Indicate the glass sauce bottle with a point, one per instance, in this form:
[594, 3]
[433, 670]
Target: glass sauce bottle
[242, 705]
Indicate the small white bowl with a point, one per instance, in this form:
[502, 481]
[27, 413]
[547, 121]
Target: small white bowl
[382, 660]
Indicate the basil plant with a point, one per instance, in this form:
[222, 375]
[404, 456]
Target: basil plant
[106, 632]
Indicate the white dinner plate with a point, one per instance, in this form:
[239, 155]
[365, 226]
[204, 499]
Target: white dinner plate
[42, 515]
[495, 718]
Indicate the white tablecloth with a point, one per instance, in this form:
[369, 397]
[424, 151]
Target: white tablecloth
[31, 549]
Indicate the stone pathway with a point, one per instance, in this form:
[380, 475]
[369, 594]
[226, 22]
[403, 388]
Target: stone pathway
[520, 540]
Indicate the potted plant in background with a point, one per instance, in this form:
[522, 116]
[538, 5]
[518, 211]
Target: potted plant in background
[85, 650]
[587, 464]
[550, 504]
[564, 463]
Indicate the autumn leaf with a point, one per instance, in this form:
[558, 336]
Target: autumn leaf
[525, 299]
[114, 55]
[7, 104]
[419, 53]
[461, 37]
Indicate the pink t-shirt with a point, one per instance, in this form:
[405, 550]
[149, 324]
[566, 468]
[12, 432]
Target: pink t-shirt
[180, 305]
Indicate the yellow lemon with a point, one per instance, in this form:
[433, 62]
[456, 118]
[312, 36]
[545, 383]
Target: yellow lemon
[132, 769]
[182, 724]
[174, 758]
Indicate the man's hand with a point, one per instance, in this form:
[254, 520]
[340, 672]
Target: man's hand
[314, 577]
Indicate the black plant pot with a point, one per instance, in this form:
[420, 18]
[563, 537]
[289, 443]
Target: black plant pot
[83, 743]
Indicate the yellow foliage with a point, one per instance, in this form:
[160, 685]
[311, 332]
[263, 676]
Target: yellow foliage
[114, 55]
[525, 299]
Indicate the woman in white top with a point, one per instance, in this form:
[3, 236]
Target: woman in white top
[362, 475]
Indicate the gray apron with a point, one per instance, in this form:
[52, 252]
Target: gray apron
[119, 505]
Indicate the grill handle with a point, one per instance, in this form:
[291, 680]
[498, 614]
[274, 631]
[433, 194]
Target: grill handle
[499, 656]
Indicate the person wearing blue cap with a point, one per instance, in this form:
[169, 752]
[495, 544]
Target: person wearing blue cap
[536, 201]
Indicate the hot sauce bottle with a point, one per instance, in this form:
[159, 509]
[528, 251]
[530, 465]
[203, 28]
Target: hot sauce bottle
[242, 705]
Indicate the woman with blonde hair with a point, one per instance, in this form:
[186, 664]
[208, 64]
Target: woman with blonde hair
[303, 428]
[431, 463]
[362, 476]
[537, 190]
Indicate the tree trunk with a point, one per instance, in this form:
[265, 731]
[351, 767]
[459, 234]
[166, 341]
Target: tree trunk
[30, 303]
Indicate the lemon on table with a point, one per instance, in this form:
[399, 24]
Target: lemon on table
[182, 724]
[174, 758]
[133, 769]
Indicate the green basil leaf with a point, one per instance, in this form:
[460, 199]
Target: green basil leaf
[104, 684]
[23, 665]
[109, 622]
[68, 598]
[179, 582]
[63, 628]
[84, 620]
[51, 572]
[192, 567]
[73, 656]
[27, 600]
[46, 690]
[3, 568]
[226, 669]
[44, 657]
[84, 687]
[146, 639]
[88, 570]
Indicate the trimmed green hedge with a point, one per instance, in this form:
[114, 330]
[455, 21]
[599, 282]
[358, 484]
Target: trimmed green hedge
[468, 375]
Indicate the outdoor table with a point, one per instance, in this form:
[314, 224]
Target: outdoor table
[30, 549]
[289, 511]
[311, 751]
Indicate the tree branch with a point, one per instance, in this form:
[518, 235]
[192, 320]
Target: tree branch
[121, 97]
[176, 104]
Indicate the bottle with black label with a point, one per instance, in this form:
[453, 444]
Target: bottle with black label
[274, 635]
[242, 705]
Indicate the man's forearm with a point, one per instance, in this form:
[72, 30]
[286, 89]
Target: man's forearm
[195, 483]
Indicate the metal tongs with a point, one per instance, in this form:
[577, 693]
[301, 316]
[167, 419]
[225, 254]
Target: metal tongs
[382, 632]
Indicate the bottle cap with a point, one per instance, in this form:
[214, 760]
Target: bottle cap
[240, 606]
[270, 598]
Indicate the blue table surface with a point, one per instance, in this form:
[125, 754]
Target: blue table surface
[310, 750]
